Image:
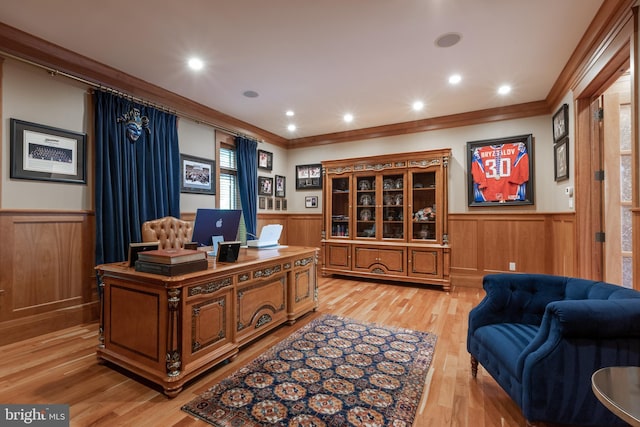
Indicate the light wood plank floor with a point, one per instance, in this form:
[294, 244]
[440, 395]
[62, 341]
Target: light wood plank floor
[62, 367]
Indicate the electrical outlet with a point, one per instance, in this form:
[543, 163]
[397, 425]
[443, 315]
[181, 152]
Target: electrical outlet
[512, 266]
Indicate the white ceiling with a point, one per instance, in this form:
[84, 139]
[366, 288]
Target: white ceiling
[324, 58]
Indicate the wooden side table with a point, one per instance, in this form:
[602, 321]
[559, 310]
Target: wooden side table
[618, 388]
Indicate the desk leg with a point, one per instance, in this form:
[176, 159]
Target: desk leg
[173, 340]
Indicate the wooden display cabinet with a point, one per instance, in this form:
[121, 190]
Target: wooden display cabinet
[386, 217]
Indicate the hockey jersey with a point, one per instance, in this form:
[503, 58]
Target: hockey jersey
[500, 172]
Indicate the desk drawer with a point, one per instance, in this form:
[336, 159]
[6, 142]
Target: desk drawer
[260, 302]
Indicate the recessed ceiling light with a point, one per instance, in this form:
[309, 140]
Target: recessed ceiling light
[348, 117]
[195, 64]
[251, 94]
[448, 39]
[290, 113]
[417, 105]
[504, 89]
[291, 127]
[455, 79]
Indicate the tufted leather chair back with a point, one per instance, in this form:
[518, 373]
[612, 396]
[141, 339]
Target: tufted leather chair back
[169, 231]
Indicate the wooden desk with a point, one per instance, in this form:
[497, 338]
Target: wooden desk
[618, 388]
[171, 329]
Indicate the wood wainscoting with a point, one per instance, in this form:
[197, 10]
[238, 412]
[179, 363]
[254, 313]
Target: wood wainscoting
[297, 230]
[47, 281]
[487, 243]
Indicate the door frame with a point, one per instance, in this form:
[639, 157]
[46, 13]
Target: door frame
[616, 54]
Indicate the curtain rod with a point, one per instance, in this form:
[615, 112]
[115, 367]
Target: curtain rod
[53, 72]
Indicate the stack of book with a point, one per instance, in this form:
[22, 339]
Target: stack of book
[171, 262]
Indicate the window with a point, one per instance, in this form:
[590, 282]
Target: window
[229, 196]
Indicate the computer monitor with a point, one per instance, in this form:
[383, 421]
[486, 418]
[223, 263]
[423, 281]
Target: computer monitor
[215, 222]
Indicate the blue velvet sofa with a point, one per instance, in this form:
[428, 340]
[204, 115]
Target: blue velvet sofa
[541, 337]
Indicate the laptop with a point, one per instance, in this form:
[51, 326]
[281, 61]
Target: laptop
[269, 236]
[215, 222]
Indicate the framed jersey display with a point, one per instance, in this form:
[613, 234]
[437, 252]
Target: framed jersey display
[500, 171]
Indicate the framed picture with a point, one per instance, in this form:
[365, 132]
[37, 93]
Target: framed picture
[265, 160]
[269, 203]
[198, 175]
[311, 202]
[500, 171]
[561, 160]
[278, 204]
[281, 186]
[262, 202]
[284, 204]
[265, 186]
[44, 153]
[561, 123]
[309, 177]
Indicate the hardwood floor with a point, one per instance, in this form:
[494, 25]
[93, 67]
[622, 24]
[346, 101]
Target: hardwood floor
[61, 367]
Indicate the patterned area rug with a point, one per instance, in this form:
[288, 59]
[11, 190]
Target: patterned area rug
[335, 371]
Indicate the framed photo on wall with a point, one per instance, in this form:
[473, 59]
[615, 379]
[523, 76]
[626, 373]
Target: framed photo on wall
[265, 186]
[45, 153]
[561, 123]
[197, 175]
[500, 171]
[561, 160]
[265, 160]
[281, 186]
[311, 202]
[309, 177]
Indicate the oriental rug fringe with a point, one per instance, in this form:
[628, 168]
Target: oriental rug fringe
[335, 371]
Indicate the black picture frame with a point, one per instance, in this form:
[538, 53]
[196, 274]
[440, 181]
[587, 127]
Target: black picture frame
[560, 123]
[262, 202]
[500, 171]
[265, 186]
[281, 186]
[228, 251]
[44, 153]
[561, 160]
[198, 175]
[265, 160]
[309, 177]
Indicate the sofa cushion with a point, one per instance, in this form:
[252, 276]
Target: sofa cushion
[505, 342]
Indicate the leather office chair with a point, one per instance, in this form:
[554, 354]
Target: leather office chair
[169, 231]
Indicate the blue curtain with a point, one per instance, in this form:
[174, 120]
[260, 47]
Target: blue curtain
[247, 151]
[137, 172]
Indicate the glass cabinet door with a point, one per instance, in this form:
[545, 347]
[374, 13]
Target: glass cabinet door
[424, 205]
[365, 206]
[339, 188]
[393, 202]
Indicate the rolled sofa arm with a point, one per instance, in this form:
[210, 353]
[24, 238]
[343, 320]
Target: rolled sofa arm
[594, 318]
[589, 319]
